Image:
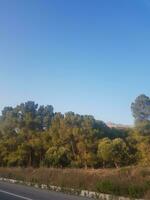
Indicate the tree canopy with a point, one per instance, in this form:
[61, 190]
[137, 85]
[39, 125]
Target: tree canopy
[34, 135]
[141, 108]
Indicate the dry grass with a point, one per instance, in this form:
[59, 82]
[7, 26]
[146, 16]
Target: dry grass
[129, 181]
[76, 178]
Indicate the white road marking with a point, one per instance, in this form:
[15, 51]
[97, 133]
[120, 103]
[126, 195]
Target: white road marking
[15, 195]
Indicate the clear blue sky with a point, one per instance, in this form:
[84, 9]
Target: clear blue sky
[87, 56]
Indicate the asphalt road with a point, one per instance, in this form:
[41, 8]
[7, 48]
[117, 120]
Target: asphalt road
[9, 191]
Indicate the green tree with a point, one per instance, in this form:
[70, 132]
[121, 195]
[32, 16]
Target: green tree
[57, 157]
[105, 148]
[32, 135]
[141, 108]
[120, 152]
[144, 151]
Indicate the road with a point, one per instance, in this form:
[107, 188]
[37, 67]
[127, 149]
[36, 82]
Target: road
[9, 191]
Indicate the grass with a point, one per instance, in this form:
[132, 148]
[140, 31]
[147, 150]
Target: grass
[130, 181]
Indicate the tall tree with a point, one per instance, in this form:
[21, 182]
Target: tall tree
[141, 108]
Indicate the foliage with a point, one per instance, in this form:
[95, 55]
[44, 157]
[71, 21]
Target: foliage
[127, 181]
[33, 135]
[141, 108]
[132, 190]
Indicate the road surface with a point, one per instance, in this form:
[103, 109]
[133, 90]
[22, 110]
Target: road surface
[9, 191]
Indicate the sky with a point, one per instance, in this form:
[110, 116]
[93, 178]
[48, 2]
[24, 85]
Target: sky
[87, 56]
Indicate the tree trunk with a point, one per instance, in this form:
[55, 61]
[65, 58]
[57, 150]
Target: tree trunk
[116, 165]
[103, 164]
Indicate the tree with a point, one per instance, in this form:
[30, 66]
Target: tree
[44, 116]
[141, 108]
[32, 135]
[57, 157]
[105, 148]
[113, 152]
[144, 151]
[119, 152]
[143, 128]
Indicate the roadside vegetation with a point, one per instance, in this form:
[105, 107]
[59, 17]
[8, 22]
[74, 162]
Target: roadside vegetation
[127, 181]
[33, 136]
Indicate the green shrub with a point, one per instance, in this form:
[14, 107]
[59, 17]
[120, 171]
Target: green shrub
[136, 191]
[106, 186]
[126, 189]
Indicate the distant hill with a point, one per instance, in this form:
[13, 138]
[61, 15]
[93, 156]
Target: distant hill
[114, 125]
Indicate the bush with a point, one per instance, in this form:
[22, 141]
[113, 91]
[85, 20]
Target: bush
[109, 187]
[136, 191]
[116, 188]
